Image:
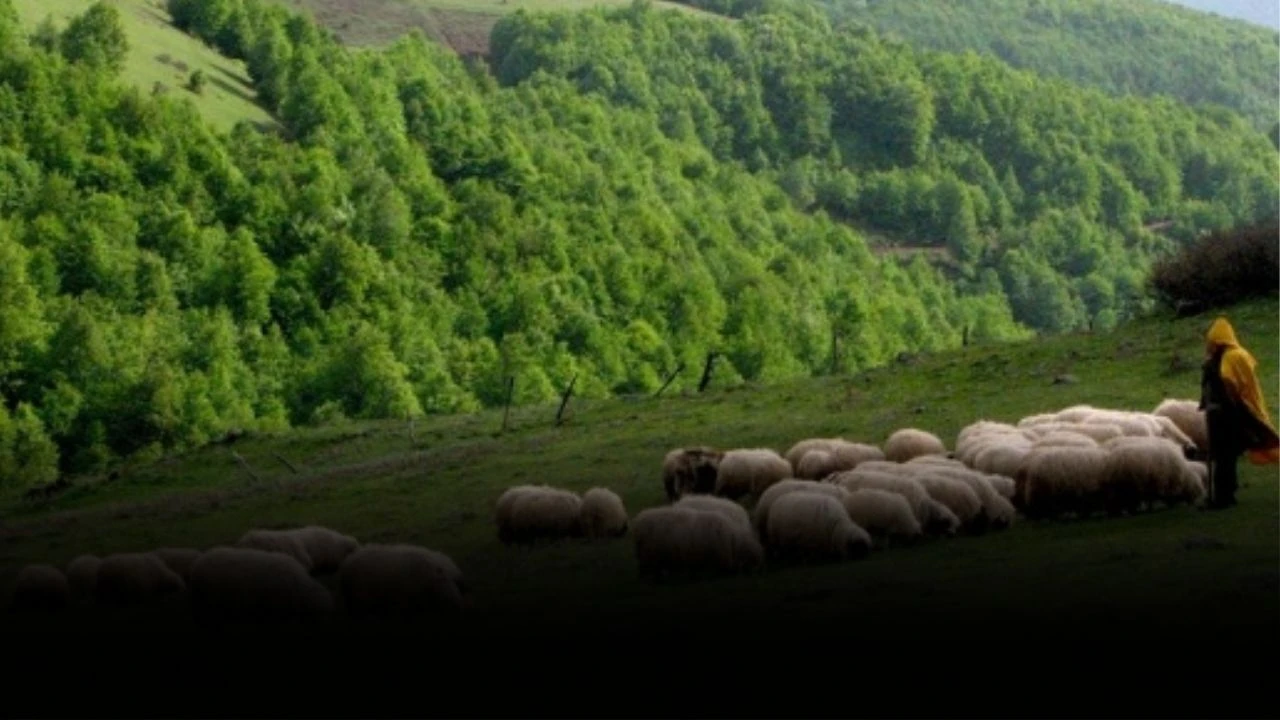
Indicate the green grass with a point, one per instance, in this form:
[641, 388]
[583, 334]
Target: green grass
[161, 54]
[462, 25]
[372, 480]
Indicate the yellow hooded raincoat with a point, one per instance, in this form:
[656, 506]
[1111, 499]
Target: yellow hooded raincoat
[1237, 372]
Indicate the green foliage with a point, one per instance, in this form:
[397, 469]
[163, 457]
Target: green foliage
[1141, 47]
[96, 38]
[636, 190]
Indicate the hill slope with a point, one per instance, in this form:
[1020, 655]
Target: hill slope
[1144, 47]
[1258, 12]
[434, 484]
[162, 56]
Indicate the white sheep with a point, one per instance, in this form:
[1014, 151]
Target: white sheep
[602, 514]
[885, 515]
[760, 514]
[40, 587]
[326, 548]
[812, 526]
[935, 518]
[723, 506]
[527, 513]
[131, 578]
[178, 560]
[1063, 438]
[673, 540]
[82, 576]
[1057, 480]
[1189, 418]
[750, 471]
[278, 541]
[997, 511]
[690, 470]
[957, 496]
[237, 584]
[908, 443]
[1146, 470]
[817, 464]
[1001, 458]
[398, 581]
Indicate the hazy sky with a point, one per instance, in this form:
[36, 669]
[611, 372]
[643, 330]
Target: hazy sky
[1262, 12]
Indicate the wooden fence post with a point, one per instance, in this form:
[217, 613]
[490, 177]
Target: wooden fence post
[565, 400]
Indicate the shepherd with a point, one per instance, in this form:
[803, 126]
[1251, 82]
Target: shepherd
[1235, 412]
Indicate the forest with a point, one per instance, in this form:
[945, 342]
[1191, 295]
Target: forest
[618, 192]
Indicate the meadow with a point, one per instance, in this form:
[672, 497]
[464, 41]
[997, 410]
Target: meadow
[162, 55]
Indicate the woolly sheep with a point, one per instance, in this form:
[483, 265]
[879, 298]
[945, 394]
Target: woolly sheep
[957, 496]
[398, 581]
[178, 560]
[326, 547]
[1170, 431]
[602, 514]
[817, 464]
[760, 514]
[1130, 424]
[797, 451]
[82, 576]
[848, 454]
[239, 584]
[1056, 480]
[907, 443]
[1075, 413]
[1001, 459]
[451, 569]
[885, 515]
[722, 506]
[750, 472]
[284, 542]
[40, 587]
[526, 513]
[1145, 471]
[997, 511]
[130, 578]
[690, 470]
[813, 526]
[1201, 471]
[1189, 418]
[679, 540]
[935, 518]
[1063, 438]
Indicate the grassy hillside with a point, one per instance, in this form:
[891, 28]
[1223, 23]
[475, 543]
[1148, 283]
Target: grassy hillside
[1168, 571]
[461, 25]
[162, 55]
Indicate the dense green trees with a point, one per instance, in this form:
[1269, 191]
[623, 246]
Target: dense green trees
[629, 190]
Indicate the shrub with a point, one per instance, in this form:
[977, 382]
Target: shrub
[1219, 269]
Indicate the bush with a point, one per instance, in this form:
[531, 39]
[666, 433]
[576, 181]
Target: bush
[1220, 269]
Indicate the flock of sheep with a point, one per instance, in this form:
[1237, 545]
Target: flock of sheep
[271, 576]
[825, 499]
[833, 499]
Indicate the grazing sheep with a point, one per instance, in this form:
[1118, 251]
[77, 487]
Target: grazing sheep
[1146, 470]
[935, 518]
[724, 506]
[327, 548]
[797, 452]
[131, 578]
[528, 513]
[750, 472]
[672, 540]
[398, 581]
[956, 495]
[285, 542]
[602, 514]
[1001, 458]
[178, 560]
[1189, 418]
[885, 515]
[1075, 413]
[238, 584]
[997, 511]
[1058, 480]
[691, 470]
[817, 464]
[777, 490]
[1201, 470]
[40, 587]
[1170, 431]
[82, 576]
[1131, 424]
[908, 443]
[813, 526]
[975, 437]
[1063, 438]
